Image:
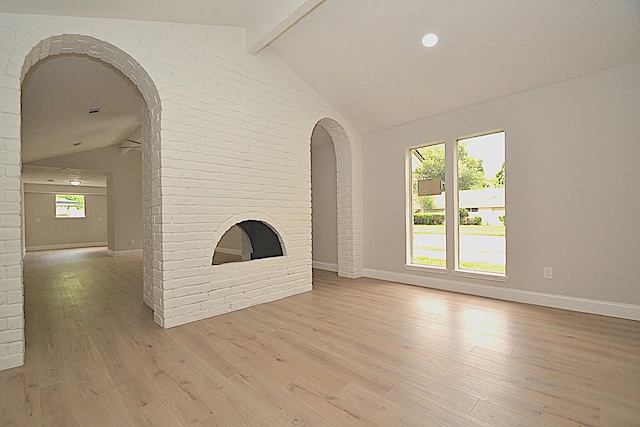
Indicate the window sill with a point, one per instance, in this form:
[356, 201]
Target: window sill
[426, 268]
[481, 275]
[458, 273]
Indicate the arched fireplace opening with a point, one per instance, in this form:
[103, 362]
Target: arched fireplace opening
[245, 241]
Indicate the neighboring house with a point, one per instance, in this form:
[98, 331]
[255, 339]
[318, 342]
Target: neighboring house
[487, 203]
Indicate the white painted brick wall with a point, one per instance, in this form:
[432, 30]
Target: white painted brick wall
[226, 138]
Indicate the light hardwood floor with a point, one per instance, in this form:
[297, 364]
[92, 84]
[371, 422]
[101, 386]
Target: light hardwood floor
[351, 352]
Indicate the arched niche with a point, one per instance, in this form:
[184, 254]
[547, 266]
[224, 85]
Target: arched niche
[246, 241]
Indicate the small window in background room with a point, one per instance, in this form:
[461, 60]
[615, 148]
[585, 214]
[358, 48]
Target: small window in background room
[69, 206]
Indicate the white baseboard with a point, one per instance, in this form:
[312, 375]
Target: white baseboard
[325, 266]
[65, 246]
[124, 253]
[605, 308]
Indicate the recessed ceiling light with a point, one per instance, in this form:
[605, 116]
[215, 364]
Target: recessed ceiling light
[430, 40]
[74, 182]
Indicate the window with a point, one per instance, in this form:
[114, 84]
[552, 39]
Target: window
[70, 206]
[476, 214]
[481, 204]
[428, 231]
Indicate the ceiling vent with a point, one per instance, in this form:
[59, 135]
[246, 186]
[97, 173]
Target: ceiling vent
[94, 110]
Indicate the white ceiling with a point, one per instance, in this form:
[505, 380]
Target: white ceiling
[236, 13]
[57, 95]
[364, 57]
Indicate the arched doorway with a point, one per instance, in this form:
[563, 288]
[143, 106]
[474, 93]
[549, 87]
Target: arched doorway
[348, 200]
[324, 208]
[75, 44]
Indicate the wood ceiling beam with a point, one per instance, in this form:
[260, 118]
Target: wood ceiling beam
[274, 20]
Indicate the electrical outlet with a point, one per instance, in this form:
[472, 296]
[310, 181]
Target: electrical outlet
[132, 242]
[547, 272]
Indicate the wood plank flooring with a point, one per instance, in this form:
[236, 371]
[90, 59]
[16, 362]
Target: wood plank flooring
[350, 353]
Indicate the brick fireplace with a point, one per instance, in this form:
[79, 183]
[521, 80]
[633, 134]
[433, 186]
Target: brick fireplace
[225, 139]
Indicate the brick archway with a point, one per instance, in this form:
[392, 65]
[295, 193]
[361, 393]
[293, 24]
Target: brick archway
[349, 203]
[67, 44]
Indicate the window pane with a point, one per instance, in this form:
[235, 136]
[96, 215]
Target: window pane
[481, 202]
[428, 210]
[69, 206]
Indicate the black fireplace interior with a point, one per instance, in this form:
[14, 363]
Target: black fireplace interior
[264, 241]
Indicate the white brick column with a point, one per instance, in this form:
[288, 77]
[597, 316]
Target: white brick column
[11, 292]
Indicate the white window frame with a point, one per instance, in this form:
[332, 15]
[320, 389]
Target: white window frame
[452, 217]
[409, 265]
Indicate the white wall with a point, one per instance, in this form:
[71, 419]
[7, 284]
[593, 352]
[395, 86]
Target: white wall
[324, 201]
[229, 136]
[124, 184]
[231, 241]
[572, 198]
[44, 231]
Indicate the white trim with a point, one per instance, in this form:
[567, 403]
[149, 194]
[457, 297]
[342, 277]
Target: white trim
[426, 268]
[65, 189]
[64, 246]
[325, 266]
[123, 253]
[605, 308]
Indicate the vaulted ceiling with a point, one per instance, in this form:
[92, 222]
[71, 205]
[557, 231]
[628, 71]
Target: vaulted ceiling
[365, 57]
[80, 102]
